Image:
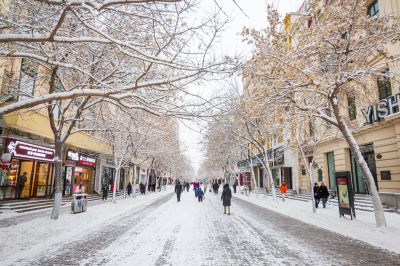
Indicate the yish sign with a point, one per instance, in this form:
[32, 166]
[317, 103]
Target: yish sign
[385, 107]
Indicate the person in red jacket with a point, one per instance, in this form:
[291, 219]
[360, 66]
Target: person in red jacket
[283, 189]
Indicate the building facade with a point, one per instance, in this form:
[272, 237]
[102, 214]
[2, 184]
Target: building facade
[377, 132]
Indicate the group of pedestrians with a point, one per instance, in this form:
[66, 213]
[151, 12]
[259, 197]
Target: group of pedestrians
[199, 193]
[320, 193]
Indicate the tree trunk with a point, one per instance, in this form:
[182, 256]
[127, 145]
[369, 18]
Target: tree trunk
[147, 181]
[117, 172]
[134, 181]
[124, 184]
[270, 177]
[311, 173]
[367, 175]
[252, 174]
[58, 146]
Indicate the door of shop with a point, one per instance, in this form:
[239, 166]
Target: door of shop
[42, 180]
[359, 183]
[287, 176]
[261, 177]
[25, 180]
[34, 180]
[331, 170]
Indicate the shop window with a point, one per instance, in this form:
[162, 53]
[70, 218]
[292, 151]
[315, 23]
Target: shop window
[373, 9]
[384, 86]
[351, 105]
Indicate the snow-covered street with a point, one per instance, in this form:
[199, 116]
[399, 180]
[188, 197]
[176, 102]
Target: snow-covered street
[156, 230]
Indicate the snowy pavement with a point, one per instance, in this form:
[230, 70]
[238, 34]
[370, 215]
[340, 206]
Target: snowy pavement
[362, 228]
[156, 230]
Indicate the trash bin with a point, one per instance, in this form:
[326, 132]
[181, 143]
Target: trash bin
[84, 202]
[79, 203]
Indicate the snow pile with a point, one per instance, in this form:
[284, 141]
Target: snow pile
[362, 228]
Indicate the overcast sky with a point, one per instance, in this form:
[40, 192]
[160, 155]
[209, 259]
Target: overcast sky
[253, 16]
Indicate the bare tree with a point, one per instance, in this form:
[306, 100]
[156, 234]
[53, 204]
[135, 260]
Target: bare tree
[329, 57]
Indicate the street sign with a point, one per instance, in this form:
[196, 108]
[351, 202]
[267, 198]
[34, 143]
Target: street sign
[345, 194]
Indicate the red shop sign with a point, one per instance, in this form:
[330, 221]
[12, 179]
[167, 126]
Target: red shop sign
[26, 150]
[85, 160]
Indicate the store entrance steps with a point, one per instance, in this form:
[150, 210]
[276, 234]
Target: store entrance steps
[361, 202]
[33, 204]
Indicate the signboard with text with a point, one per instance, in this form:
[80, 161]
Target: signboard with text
[85, 160]
[81, 159]
[24, 150]
[345, 194]
[386, 107]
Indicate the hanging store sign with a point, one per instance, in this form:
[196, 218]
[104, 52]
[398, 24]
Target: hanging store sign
[81, 159]
[385, 107]
[86, 160]
[73, 155]
[26, 150]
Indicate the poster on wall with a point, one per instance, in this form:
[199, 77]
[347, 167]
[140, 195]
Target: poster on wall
[345, 194]
[68, 180]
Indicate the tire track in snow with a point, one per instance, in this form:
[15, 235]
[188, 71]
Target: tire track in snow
[78, 252]
[313, 243]
[168, 247]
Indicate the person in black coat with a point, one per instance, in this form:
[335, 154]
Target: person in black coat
[215, 187]
[187, 186]
[316, 194]
[129, 189]
[142, 188]
[104, 190]
[178, 190]
[234, 187]
[200, 195]
[323, 193]
[226, 199]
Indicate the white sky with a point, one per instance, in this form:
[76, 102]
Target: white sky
[230, 43]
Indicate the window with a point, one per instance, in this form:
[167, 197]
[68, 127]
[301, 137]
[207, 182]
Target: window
[328, 113]
[8, 90]
[311, 127]
[27, 80]
[373, 9]
[384, 86]
[351, 105]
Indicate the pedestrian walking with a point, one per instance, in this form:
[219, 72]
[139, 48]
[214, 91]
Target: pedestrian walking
[226, 199]
[187, 186]
[283, 190]
[196, 190]
[316, 194]
[142, 188]
[215, 187]
[129, 189]
[200, 195]
[324, 194]
[234, 187]
[104, 190]
[178, 190]
[21, 183]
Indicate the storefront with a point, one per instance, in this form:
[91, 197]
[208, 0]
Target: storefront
[244, 173]
[80, 173]
[29, 171]
[107, 172]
